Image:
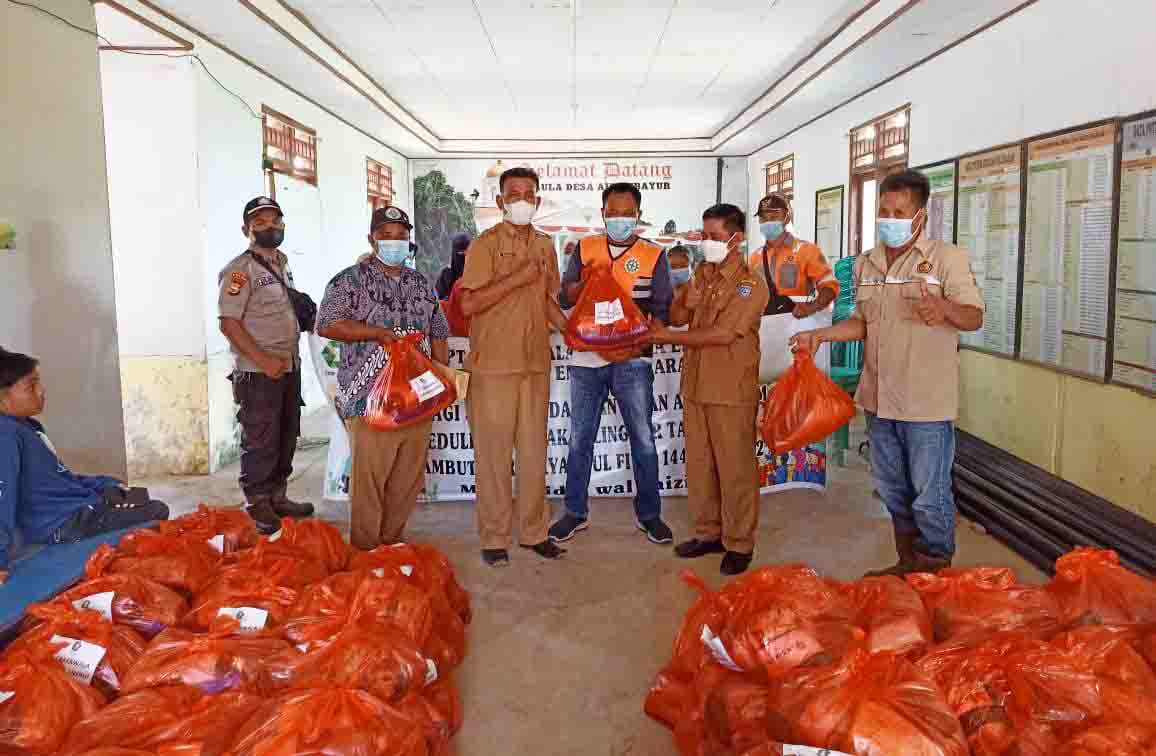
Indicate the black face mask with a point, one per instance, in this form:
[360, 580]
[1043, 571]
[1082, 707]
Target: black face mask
[269, 238]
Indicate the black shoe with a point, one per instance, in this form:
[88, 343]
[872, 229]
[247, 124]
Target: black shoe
[656, 530]
[546, 549]
[735, 563]
[567, 527]
[694, 548]
[286, 507]
[496, 557]
[264, 516]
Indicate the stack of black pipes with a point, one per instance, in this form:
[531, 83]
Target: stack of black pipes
[1040, 516]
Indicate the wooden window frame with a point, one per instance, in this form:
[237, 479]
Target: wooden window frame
[881, 166]
[779, 173]
[378, 184]
[295, 141]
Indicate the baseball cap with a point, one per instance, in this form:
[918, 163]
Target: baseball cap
[389, 214]
[257, 204]
[774, 201]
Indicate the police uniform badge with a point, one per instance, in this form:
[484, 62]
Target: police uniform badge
[632, 265]
[923, 267]
[745, 288]
[237, 281]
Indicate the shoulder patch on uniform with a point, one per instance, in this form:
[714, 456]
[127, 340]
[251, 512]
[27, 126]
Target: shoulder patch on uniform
[746, 286]
[237, 281]
[923, 267]
[632, 265]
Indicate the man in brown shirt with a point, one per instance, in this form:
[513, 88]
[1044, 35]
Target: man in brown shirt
[720, 373]
[913, 297]
[258, 319]
[510, 293]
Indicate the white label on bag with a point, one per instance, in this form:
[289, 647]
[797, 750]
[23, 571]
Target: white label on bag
[427, 386]
[249, 617]
[276, 536]
[97, 602]
[431, 672]
[608, 313]
[303, 647]
[5, 695]
[406, 569]
[80, 658]
[794, 750]
[379, 572]
[217, 542]
[718, 650]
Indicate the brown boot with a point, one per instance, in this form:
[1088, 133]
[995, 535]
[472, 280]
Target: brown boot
[905, 548]
[286, 507]
[264, 516]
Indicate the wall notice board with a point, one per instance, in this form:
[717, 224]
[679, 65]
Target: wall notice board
[941, 203]
[1068, 250]
[829, 221]
[1134, 347]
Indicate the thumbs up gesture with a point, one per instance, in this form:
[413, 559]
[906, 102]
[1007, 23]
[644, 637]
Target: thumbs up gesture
[930, 308]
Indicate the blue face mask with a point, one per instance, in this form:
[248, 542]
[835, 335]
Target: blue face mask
[620, 229]
[772, 230]
[679, 276]
[393, 252]
[895, 232]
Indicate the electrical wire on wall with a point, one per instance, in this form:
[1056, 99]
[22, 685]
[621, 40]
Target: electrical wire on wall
[113, 48]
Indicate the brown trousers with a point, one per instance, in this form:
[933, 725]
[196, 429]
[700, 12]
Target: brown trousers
[508, 412]
[387, 477]
[722, 474]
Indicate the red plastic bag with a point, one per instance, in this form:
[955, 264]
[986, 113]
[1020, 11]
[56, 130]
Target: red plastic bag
[803, 407]
[891, 613]
[439, 711]
[150, 718]
[966, 603]
[1112, 740]
[285, 565]
[226, 530]
[142, 604]
[240, 588]
[423, 566]
[332, 721]
[217, 661]
[605, 316]
[452, 308]
[1093, 588]
[867, 704]
[362, 597]
[1126, 682]
[318, 539]
[58, 626]
[409, 389]
[376, 658]
[44, 704]
[184, 565]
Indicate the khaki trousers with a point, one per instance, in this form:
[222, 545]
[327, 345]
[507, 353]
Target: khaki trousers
[722, 475]
[387, 475]
[508, 412]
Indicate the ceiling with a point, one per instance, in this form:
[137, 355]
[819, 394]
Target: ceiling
[457, 77]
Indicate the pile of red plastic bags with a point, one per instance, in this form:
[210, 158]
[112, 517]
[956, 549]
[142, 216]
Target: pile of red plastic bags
[964, 661]
[203, 639]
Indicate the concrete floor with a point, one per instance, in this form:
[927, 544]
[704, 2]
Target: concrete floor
[562, 654]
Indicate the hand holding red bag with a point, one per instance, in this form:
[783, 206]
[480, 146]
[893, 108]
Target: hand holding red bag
[409, 389]
[605, 317]
[805, 406]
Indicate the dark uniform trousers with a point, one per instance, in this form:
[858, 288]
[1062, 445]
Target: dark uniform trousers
[270, 417]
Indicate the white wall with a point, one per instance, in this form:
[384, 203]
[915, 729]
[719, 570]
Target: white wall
[57, 296]
[1048, 67]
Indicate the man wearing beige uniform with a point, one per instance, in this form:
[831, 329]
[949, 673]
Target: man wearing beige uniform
[913, 297]
[510, 293]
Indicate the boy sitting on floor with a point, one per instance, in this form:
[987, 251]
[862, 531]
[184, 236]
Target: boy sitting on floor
[41, 500]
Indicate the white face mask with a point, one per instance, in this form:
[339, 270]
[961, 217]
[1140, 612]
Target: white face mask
[716, 251]
[520, 213]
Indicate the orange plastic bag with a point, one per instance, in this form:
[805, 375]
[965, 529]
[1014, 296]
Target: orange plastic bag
[803, 407]
[439, 711]
[183, 565]
[332, 721]
[286, 565]
[1112, 740]
[318, 539]
[1126, 682]
[979, 601]
[423, 566]
[605, 316]
[866, 704]
[1093, 588]
[150, 718]
[891, 613]
[376, 658]
[362, 597]
[58, 626]
[137, 602]
[452, 308]
[214, 662]
[41, 702]
[226, 530]
[241, 588]
[409, 389]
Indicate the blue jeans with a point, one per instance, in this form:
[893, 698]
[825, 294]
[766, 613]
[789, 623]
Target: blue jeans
[632, 383]
[911, 463]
